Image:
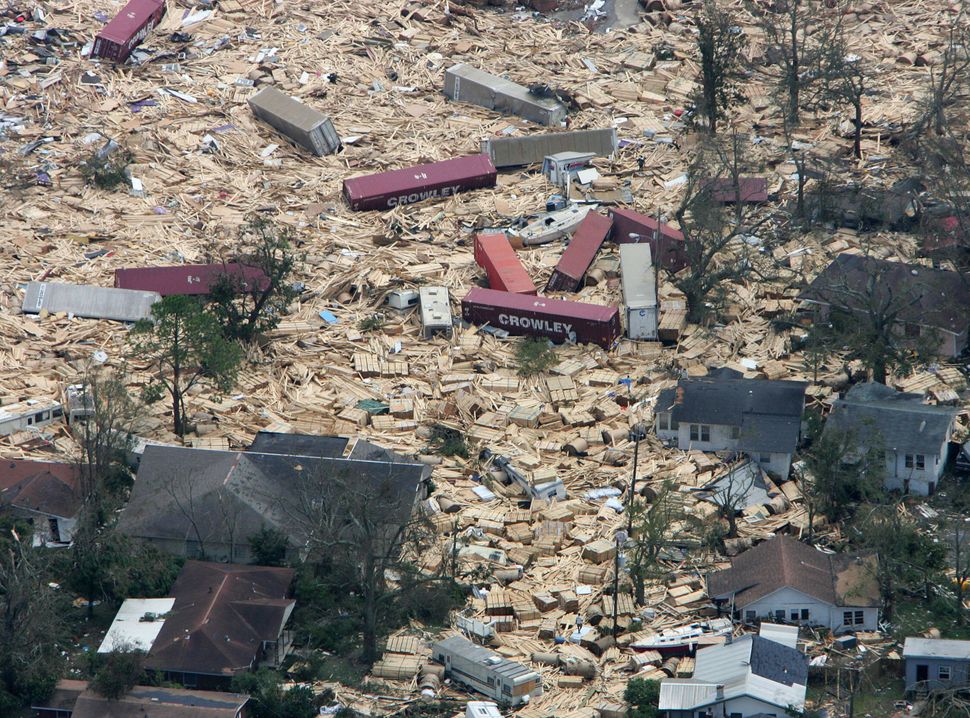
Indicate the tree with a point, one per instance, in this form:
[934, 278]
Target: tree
[719, 246]
[842, 472]
[98, 560]
[270, 700]
[248, 307]
[960, 557]
[643, 697]
[947, 82]
[32, 627]
[843, 77]
[730, 493]
[268, 547]
[185, 347]
[721, 44]
[791, 46]
[118, 672]
[654, 526]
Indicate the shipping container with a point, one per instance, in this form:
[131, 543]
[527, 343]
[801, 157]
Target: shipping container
[30, 414]
[127, 29]
[495, 255]
[309, 128]
[533, 149]
[580, 253]
[752, 190]
[387, 190]
[464, 83]
[555, 319]
[435, 311]
[666, 243]
[189, 278]
[561, 167]
[123, 305]
[639, 291]
[487, 672]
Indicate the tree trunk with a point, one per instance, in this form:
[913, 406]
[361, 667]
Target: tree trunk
[178, 424]
[370, 628]
[879, 371]
[857, 140]
[639, 586]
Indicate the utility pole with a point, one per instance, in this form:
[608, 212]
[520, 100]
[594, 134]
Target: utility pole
[620, 537]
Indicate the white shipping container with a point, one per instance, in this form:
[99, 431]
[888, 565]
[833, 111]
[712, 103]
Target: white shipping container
[639, 291]
[435, 311]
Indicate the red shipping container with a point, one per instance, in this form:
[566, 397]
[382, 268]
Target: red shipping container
[666, 243]
[575, 260]
[187, 278]
[495, 255]
[555, 319]
[127, 29]
[724, 191]
[414, 184]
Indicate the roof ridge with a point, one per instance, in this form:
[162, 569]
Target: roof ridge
[212, 603]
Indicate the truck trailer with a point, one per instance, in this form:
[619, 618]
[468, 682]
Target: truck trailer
[555, 319]
[533, 149]
[464, 83]
[304, 126]
[639, 291]
[487, 672]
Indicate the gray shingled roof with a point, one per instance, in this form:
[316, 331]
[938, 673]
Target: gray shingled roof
[876, 414]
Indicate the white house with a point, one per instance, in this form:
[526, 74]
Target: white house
[914, 436]
[785, 580]
[726, 412]
[750, 676]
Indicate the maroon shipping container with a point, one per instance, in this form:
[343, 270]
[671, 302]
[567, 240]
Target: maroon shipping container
[128, 28]
[666, 243]
[555, 319]
[575, 260]
[187, 278]
[495, 255]
[723, 190]
[414, 184]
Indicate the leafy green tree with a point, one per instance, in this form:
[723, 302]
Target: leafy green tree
[534, 356]
[185, 346]
[268, 547]
[643, 697]
[653, 525]
[721, 44]
[248, 308]
[119, 671]
[841, 474]
[270, 700]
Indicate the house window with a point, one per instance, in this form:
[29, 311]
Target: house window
[794, 614]
[780, 615]
[700, 432]
[805, 614]
[943, 673]
[860, 617]
[764, 459]
[916, 461]
[664, 421]
[749, 616]
[847, 618]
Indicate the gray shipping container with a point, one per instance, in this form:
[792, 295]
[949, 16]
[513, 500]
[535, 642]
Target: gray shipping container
[639, 291]
[464, 83]
[123, 305]
[532, 149]
[435, 311]
[310, 129]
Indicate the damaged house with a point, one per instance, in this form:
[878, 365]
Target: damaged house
[726, 412]
[785, 580]
[46, 494]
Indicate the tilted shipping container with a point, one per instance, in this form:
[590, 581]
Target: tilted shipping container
[724, 190]
[464, 83]
[532, 149]
[639, 291]
[127, 29]
[309, 128]
[189, 278]
[579, 255]
[666, 243]
[123, 305]
[387, 190]
[495, 255]
[555, 319]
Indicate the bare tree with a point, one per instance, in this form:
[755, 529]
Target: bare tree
[721, 43]
[961, 566]
[181, 489]
[719, 245]
[730, 493]
[843, 76]
[948, 81]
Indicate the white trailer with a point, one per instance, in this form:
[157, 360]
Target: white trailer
[562, 166]
[435, 311]
[30, 414]
[487, 672]
[464, 83]
[639, 291]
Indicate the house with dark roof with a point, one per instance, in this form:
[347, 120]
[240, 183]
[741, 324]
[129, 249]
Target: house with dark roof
[206, 504]
[226, 619]
[73, 699]
[761, 675]
[726, 412]
[915, 436]
[45, 493]
[785, 580]
[931, 303]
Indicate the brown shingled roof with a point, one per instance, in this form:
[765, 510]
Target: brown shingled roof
[783, 562]
[42, 486]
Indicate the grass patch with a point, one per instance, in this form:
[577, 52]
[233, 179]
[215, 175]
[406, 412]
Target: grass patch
[534, 356]
[372, 323]
[913, 616]
[448, 442]
[107, 170]
[341, 670]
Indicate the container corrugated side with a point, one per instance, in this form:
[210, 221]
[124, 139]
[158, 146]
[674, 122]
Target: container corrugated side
[123, 305]
[532, 149]
[579, 255]
[189, 279]
[555, 319]
[501, 263]
[306, 126]
[128, 28]
[386, 190]
[464, 83]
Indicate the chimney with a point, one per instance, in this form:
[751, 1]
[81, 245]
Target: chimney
[719, 692]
